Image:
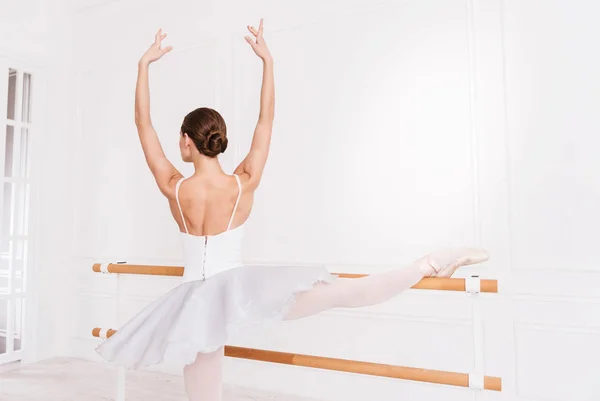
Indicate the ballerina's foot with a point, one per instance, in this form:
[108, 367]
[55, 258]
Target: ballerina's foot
[445, 263]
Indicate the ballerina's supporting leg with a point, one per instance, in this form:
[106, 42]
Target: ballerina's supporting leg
[203, 378]
[378, 288]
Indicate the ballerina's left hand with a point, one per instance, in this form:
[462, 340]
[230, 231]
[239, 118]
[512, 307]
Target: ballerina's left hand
[155, 52]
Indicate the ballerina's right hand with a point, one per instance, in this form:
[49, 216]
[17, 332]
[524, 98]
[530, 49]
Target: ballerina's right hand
[259, 46]
[155, 52]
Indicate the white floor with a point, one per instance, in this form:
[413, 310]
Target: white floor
[69, 379]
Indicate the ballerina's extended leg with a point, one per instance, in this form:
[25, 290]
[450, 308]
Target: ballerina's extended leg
[378, 288]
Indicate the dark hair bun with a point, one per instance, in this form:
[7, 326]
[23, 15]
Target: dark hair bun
[207, 130]
[216, 143]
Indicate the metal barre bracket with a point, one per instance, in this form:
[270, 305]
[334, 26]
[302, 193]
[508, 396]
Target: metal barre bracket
[473, 284]
[476, 381]
[104, 266]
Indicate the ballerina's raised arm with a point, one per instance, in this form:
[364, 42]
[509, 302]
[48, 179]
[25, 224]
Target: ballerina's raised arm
[165, 174]
[253, 165]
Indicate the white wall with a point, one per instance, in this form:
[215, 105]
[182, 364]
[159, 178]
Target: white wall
[401, 127]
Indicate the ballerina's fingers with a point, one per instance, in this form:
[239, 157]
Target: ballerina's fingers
[158, 38]
[251, 41]
[260, 28]
[253, 31]
[257, 33]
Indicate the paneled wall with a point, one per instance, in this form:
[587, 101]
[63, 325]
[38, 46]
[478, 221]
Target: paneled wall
[402, 127]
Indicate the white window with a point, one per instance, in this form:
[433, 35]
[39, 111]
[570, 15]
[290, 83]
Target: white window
[15, 88]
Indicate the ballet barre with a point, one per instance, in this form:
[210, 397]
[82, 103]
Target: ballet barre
[474, 381]
[429, 283]
[473, 286]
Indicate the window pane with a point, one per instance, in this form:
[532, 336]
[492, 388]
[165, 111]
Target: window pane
[20, 256]
[9, 151]
[25, 227]
[6, 218]
[20, 209]
[4, 266]
[12, 94]
[17, 255]
[26, 114]
[24, 151]
[18, 283]
[16, 154]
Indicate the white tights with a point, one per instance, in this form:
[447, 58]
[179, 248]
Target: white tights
[203, 378]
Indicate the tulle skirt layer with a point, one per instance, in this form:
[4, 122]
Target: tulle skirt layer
[201, 316]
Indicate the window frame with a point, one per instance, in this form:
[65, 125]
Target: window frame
[28, 204]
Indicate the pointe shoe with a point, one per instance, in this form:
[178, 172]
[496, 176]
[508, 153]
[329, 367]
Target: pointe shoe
[445, 263]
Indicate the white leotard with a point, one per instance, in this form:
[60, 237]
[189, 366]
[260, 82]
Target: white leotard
[206, 255]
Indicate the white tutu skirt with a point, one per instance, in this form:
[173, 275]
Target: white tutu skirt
[201, 316]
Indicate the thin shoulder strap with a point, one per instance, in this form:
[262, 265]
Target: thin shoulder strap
[237, 201]
[178, 204]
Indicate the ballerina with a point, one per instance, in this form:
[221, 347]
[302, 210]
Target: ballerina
[219, 295]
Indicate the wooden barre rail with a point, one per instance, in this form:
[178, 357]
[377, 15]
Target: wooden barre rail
[350, 366]
[440, 284]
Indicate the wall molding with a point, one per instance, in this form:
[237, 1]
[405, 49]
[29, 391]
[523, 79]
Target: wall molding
[380, 316]
[558, 269]
[524, 325]
[475, 169]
